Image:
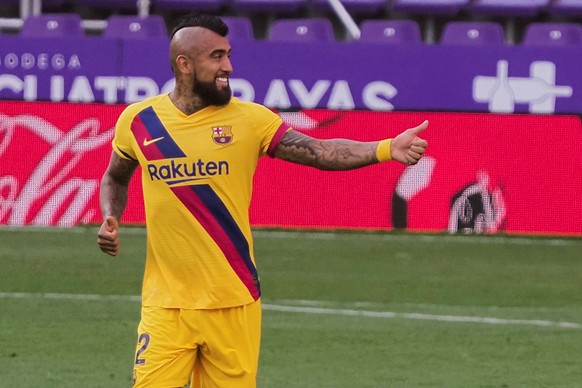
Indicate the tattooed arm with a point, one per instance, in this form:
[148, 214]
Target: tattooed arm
[343, 154]
[113, 198]
[336, 154]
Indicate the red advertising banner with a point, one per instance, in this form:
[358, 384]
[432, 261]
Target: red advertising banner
[482, 173]
[52, 157]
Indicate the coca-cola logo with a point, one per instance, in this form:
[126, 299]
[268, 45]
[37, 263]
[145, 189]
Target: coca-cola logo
[52, 190]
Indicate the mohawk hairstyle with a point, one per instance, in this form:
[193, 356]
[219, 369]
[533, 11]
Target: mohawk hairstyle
[210, 22]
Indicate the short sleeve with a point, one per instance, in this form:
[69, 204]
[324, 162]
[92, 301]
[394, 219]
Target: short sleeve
[270, 127]
[122, 141]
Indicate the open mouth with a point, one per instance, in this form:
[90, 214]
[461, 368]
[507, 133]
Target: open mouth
[222, 81]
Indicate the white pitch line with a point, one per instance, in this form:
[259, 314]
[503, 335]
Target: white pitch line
[419, 316]
[58, 296]
[318, 311]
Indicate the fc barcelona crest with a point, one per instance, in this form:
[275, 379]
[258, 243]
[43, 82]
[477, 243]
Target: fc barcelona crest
[222, 135]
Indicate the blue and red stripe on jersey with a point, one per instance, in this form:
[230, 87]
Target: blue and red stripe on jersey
[153, 138]
[209, 210]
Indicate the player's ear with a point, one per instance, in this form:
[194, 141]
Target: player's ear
[183, 63]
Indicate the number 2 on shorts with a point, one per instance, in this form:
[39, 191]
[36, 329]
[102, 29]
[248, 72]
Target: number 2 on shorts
[145, 338]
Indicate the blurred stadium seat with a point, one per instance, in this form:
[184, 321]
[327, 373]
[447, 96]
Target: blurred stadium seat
[520, 8]
[188, 5]
[472, 33]
[513, 13]
[565, 7]
[430, 10]
[553, 34]
[355, 6]
[302, 30]
[135, 27]
[112, 5]
[52, 25]
[269, 5]
[46, 4]
[53, 4]
[390, 31]
[239, 28]
[426, 7]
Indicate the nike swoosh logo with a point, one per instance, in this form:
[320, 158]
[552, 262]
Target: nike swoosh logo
[147, 142]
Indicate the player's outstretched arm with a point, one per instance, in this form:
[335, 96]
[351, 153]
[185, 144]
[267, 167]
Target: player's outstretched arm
[343, 154]
[112, 199]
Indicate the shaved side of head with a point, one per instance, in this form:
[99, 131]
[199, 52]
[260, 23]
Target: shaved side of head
[186, 40]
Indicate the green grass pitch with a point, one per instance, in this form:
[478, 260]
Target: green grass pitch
[341, 309]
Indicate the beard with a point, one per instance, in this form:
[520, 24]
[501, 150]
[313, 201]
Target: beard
[210, 94]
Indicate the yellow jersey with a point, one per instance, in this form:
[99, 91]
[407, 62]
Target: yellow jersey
[197, 173]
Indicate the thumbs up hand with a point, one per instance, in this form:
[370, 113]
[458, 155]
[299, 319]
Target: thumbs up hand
[407, 147]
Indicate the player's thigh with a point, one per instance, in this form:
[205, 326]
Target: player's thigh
[165, 353]
[230, 357]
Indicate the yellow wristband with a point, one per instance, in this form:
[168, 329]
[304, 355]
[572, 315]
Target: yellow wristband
[383, 151]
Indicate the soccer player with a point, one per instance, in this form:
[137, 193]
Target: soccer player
[198, 148]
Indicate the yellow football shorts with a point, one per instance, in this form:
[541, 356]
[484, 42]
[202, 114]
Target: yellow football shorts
[206, 348]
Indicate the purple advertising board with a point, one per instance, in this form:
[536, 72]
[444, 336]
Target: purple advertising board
[286, 75]
[75, 69]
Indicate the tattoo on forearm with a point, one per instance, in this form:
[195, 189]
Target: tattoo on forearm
[121, 170]
[118, 200]
[335, 154]
[114, 186]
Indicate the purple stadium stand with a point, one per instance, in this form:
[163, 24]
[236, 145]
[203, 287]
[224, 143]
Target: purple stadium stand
[269, 5]
[188, 5]
[472, 33]
[510, 10]
[431, 9]
[239, 28]
[426, 7]
[52, 25]
[565, 7]
[302, 30]
[517, 8]
[356, 6]
[135, 27]
[53, 4]
[553, 34]
[390, 31]
[46, 4]
[108, 4]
